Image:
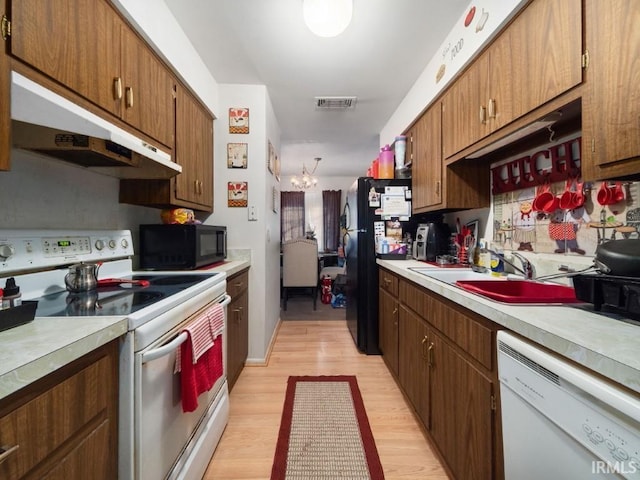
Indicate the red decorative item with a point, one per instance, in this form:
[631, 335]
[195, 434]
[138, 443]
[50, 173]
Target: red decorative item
[326, 290]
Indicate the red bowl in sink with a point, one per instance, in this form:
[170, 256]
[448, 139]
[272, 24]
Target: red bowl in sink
[520, 291]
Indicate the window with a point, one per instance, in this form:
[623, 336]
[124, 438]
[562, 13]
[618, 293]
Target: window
[291, 215]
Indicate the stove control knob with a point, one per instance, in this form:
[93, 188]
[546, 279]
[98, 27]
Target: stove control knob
[99, 244]
[6, 251]
[124, 243]
[112, 244]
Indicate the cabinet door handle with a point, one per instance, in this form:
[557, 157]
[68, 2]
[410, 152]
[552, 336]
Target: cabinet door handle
[6, 451]
[430, 354]
[425, 339]
[129, 99]
[438, 188]
[483, 114]
[117, 88]
[492, 108]
[395, 310]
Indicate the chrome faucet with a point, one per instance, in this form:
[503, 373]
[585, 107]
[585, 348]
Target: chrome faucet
[527, 269]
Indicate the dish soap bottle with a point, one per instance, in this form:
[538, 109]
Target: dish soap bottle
[12, 296]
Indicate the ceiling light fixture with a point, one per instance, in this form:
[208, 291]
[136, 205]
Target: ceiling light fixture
[327, 18]
[307, 180]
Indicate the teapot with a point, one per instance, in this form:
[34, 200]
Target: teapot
[82, 277]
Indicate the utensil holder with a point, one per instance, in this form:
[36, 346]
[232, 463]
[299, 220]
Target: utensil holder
[463, 255]
[15, 316]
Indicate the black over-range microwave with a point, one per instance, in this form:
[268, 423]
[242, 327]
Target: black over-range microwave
[181, 247]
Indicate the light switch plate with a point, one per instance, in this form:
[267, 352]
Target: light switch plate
[253, 215]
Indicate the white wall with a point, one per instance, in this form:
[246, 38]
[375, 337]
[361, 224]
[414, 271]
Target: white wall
[40, 192]
[260, 236]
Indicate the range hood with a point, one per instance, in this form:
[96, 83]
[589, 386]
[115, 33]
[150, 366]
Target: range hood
[47, 123]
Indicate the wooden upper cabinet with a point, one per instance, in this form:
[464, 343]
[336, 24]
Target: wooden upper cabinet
[76, 42]
[426, 172]
[193, 150]
[5, 106]
[435, 185]
[462, 108]
[535, 59]
[544, 50]
[610, 108]
[87, 47]
[147, 89]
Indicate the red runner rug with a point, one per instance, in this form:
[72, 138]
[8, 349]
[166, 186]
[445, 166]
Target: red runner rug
[324, 432]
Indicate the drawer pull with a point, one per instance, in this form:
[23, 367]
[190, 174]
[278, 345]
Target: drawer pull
[386, 280]
[5, 451]
[117, 88]
[239, 284]
[492, 108]
[129, 99]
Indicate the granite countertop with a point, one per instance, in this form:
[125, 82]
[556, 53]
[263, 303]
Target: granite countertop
[597, 341]
[33, 350]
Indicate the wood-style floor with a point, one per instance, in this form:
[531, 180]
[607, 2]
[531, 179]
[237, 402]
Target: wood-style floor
[320, 347]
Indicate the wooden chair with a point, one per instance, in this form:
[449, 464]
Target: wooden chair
[300, 268]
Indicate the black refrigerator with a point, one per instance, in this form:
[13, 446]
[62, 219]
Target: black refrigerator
[369, 204]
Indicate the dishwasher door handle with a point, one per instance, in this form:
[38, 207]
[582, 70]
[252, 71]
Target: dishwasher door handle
[167, 348]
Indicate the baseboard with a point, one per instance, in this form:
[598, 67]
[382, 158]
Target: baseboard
[263, 362]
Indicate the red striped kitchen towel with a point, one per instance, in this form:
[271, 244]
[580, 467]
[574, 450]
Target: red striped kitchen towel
[199, 358]
[203, 331]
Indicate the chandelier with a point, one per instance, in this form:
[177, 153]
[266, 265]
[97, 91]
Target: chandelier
[306, 180]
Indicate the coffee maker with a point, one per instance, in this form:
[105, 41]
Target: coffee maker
[432, 239]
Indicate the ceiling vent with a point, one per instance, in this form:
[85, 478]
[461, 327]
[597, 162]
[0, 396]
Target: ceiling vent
[335, 103]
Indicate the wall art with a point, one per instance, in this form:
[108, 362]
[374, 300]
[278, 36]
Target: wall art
[270, 157]
[238, 120]
[237, 194]
[277, 167]
[237, 155]
[275, 196]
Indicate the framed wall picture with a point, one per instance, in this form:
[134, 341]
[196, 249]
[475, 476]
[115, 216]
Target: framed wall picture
[271, 153]
[237, 194]
[238, 120]
[275, 197]
[473, 231]
[277, 167]
[237, 155]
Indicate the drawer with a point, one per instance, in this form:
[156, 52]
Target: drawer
[55, 422]
[474, 335]
[238, 283]
[388, 281]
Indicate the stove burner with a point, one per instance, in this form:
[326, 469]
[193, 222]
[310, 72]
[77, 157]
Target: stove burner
[109, 303]
[178, 280]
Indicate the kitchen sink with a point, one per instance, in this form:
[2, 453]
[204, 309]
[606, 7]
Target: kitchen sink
[451, 275]
[520, 291]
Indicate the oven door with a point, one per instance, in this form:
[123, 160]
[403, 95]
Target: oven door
[168, 442]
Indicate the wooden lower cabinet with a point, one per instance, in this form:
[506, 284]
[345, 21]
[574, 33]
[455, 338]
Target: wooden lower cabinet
[448, 372]
[388, 319]
[64, 426]
[5, 93]
[413, 344]
[237, 325]
[461, 411]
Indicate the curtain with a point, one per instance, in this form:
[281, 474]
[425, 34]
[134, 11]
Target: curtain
[291, 215]
[331, 219]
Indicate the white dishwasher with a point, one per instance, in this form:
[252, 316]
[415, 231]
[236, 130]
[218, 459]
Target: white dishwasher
[560, 422]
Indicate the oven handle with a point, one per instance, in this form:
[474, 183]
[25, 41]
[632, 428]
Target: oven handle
[167, 348]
